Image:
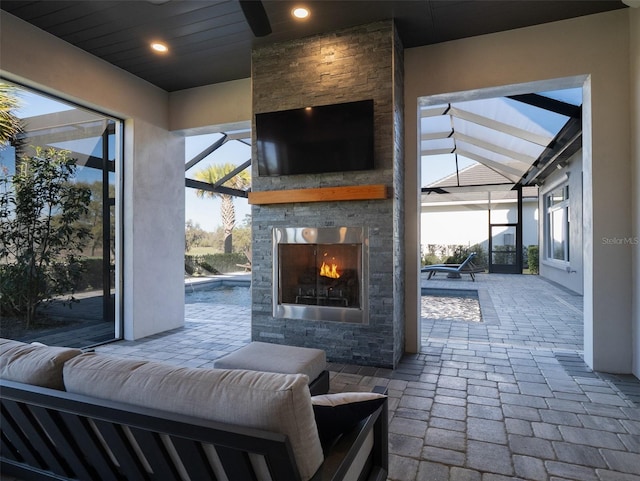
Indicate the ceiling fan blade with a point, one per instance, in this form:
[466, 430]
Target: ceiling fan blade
[256, 17]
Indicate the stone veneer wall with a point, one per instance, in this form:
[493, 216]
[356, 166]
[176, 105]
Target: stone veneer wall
[348, 65]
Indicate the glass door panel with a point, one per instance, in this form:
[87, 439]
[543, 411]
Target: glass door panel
[76, 307]
[503, 256]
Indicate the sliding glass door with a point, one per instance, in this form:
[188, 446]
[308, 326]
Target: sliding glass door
[71, 159]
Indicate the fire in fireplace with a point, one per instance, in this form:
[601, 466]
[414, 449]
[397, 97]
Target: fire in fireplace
[319, 273]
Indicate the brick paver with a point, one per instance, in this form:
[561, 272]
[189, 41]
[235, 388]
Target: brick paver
[506, 398]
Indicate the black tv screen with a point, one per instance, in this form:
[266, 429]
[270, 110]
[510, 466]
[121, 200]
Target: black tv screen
[312, 140]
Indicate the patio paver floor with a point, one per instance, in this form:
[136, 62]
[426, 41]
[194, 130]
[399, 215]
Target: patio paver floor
[506, 398]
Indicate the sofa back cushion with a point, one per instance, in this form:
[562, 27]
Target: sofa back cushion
[270, 401]
[35, 364]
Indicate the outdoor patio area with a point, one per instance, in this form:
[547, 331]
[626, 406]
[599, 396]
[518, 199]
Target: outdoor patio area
[507, 397]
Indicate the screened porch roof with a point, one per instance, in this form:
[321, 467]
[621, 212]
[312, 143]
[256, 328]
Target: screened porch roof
[495, 144]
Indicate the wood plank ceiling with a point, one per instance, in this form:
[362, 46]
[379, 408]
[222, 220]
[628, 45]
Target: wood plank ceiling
[210, 40]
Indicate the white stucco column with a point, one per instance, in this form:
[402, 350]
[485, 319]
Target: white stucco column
[634, 42]
[607, 213]
[153, 292]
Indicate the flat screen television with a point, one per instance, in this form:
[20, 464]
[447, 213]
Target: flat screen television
[313, 140]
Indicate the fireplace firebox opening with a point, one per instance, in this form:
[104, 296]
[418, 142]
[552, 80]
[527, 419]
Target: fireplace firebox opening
[320, 273]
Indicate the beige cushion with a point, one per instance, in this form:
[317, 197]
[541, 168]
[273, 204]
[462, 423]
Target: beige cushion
[35, 364]
[270, 401]
[263, 356]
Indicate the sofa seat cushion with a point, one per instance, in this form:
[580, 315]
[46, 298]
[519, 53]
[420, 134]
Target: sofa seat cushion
[35, 364]
[270, 401]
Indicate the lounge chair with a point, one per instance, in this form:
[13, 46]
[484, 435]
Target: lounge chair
[454, 270]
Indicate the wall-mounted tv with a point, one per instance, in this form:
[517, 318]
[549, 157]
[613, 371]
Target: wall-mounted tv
[312, 140]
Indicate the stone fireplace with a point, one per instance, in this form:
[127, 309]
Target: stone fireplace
[320, 274]
[358, 317]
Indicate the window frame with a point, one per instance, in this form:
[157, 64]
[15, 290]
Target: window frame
[112, 173]
[551, 210]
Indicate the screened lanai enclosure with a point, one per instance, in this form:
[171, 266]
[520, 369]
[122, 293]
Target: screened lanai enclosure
[482, 163]
[218, 166]
[216, 149]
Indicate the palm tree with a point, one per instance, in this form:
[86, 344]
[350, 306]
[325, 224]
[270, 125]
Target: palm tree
[10, 125]
[240, 181]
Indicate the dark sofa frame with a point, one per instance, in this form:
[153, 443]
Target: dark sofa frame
[49, 434]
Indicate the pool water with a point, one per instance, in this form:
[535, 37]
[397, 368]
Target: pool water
[448, 305]
[219, 294]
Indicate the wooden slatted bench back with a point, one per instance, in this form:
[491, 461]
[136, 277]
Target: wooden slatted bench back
[68, 436]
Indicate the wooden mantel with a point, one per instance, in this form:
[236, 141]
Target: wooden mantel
[321, 194]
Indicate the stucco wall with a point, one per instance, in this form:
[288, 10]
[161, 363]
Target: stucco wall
[225, 104]
[153, 197]
[153, 230]
[593, 51]
[634, 125]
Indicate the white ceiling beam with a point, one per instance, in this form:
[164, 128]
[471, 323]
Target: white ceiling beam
[426, 112]
[509, 172]
[436, 135]
[527, 160]
[542, 140]
[435, 152]
[476, 188]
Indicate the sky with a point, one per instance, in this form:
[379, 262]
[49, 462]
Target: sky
[32, 104]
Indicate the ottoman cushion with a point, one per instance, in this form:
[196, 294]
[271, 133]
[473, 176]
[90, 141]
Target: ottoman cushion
[263, 356]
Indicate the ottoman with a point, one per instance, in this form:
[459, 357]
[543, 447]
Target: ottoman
[263, 356]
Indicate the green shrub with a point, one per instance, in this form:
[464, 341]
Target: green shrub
[533, 256]
[91, 276]
[460, 253]
[504, 255]
[224, 262]
[436, 254]
[196, 265]
[41, 232]
[430, 259]
[207, 266]
[214, 263]
[189, 268]
[480, 259]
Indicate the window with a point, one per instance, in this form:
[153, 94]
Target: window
[51, 129]
[557, 224]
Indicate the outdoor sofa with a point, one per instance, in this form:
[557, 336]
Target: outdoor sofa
[73, 415]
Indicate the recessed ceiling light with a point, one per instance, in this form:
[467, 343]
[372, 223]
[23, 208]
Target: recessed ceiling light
[159, 47]
[300, 12]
